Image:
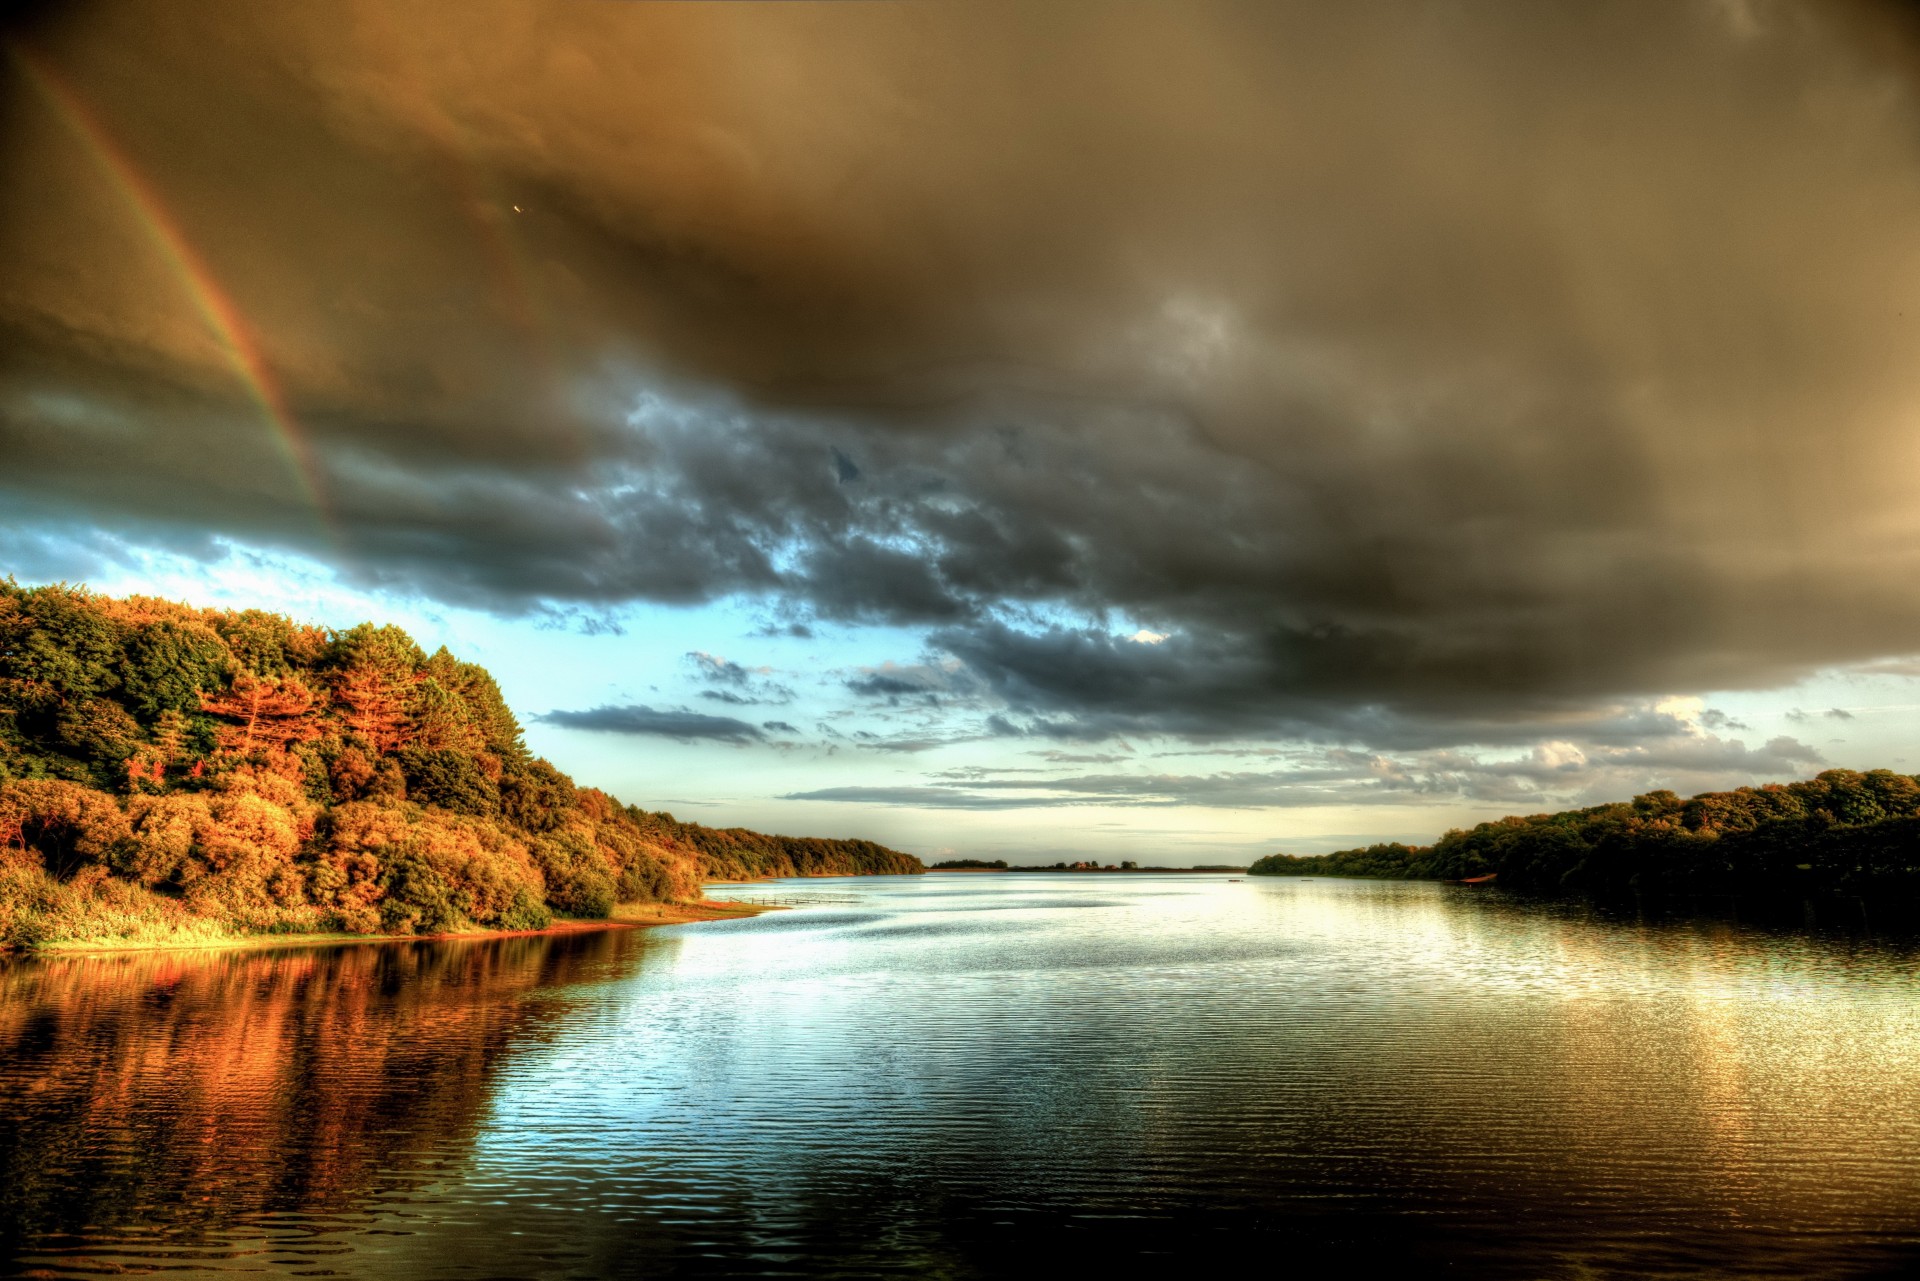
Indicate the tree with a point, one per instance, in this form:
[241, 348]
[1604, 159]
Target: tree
[168, 666]
[170, 737]
[373, 701]
[452, 780]
[440, 721]
[268, 713]
[362, 785]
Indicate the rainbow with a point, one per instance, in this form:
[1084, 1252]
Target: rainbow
[215, 305]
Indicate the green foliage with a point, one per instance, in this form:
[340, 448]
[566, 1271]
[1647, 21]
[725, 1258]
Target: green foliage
[419, 897]
[535, 796]
[100, 731]
[1388, 861]
[450, 779]
[37, 910]
[525, 911]
[166, 667]
[733, 853]
[578, 882]
[269, 644]
[55, 639]
[174, 773]
[1843, 834]
[384, 646]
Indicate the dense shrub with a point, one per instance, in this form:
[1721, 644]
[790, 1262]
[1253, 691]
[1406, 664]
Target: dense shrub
[578, 880]
[65, 826]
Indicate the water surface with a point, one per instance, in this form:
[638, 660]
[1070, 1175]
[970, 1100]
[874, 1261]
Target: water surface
[968, 1075]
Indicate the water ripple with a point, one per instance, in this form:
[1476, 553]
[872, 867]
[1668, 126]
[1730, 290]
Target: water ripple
[967, 1076]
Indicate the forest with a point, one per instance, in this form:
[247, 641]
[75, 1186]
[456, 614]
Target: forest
[170, 774]
[1844, 837]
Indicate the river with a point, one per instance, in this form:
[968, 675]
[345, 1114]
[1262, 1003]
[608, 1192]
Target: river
[974, 1075]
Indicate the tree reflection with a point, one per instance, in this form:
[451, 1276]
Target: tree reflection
[157, 1095]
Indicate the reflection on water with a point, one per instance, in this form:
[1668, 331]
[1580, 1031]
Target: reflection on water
[963, 1075]
[152, 1100]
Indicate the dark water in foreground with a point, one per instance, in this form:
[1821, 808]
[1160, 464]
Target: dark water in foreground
[980, 1075]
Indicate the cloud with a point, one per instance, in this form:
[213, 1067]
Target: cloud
[1907, 665]
[1548, 776]
[1837, 714]
[915, 797]
[1430, 383]
[932, 684]
[789, 629]
[718, 670]
[736, 685]
[884, 686]
[639, 719]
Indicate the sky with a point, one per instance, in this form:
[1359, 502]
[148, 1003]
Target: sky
[1170, 432]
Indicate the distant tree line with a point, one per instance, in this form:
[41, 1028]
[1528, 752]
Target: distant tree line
[169, 772]
[1842, 836]
[1128, 866]
[974, 864]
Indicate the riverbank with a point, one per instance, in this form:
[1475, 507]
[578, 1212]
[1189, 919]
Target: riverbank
[626, 916]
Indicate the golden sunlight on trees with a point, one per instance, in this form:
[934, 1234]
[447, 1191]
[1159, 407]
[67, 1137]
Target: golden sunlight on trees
[169, 774]
[266, 712]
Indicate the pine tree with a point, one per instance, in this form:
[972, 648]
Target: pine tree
[271, 714]
[373, 701]
[170, 736]
[440, 721]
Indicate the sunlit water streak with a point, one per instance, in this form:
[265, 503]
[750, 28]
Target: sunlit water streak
[965, 1075]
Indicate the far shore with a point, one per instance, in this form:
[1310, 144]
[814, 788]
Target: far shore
[626, 916]
[1114, 871]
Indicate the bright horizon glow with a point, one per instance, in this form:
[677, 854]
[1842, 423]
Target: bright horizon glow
[553, 663]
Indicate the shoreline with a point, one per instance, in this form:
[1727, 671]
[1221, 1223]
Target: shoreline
[1089, 871]
[626, 916]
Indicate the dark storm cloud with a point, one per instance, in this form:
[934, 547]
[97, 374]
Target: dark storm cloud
[884, 686]
[923, 684]
[640, 719]
[1466, 377]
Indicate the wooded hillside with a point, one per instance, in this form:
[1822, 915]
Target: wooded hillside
[170, 773]
[1842, 835]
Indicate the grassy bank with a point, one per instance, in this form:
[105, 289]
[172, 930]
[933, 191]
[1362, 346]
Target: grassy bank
[630, 916]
